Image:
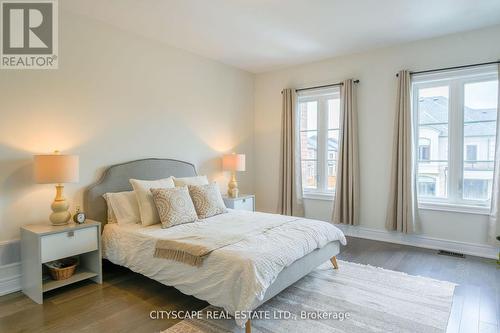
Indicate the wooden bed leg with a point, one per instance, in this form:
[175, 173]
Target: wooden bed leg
[248, 326]
[334, 262]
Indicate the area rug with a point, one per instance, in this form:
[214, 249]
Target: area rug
[354, 298]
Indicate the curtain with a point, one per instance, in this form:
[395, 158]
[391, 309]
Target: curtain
[494, 225]
[290, 185]
[401, 209]
[346, 203]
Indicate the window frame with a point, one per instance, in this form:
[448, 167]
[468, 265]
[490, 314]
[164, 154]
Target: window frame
[321, 96]
[456, 81]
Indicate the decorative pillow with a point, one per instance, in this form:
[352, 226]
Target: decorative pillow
[174, 206]
[197, 180]
[124, 207]
[207, 200]
[110, 212]
[147, 208]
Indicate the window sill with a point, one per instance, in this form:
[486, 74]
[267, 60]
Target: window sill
[318, 196]
[455, 208]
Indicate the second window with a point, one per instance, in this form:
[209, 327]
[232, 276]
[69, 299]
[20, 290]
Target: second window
[456, 116]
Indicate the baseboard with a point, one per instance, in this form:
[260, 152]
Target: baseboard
[478, 250]
[10, 278]
[10, 252]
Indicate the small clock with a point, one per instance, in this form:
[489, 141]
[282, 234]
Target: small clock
[79, 217]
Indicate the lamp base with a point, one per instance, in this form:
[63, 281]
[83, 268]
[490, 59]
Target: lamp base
[60, 214]
[232, 187]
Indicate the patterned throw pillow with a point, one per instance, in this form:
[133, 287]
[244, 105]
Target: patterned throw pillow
[207, 200]
[174, 206]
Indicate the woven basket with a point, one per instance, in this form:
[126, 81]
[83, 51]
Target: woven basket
[65, 272]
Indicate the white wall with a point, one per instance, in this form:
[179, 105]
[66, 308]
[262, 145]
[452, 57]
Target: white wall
[376, 106]
[116, 97]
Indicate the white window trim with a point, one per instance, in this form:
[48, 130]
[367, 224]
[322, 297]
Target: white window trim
[456, 208]
[454, 202]
[329, 196]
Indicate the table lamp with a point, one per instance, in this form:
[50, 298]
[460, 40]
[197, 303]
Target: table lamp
[57, 169]
[233, 162]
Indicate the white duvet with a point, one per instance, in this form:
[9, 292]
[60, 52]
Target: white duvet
[234, 277]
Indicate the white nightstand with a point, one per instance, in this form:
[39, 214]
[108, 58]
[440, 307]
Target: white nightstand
[41, 243]
[242, 202]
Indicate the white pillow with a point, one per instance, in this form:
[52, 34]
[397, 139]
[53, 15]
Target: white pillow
[185, 181]
[147, 208]
[111, 213]
[124, 207]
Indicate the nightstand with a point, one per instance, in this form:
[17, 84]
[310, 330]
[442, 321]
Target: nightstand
[41, 243]
[242, 202]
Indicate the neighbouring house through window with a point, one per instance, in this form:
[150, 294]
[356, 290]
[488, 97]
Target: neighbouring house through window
[455, 120]
[319, 116]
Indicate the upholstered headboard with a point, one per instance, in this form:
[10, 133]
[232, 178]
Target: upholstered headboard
[116, 179]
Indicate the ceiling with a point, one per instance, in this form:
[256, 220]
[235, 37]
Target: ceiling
[263, 35]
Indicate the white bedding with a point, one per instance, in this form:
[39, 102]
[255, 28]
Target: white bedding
[234, 277]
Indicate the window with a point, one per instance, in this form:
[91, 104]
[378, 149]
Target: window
[470, 152]
[319, 114]
[456, 114]
[426, 186]
[424, 150]
[476, 189]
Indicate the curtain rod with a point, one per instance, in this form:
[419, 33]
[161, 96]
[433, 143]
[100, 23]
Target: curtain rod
[455, 67]
[324, 86]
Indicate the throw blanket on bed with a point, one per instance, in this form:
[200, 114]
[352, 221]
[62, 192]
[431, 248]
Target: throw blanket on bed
[192, 249]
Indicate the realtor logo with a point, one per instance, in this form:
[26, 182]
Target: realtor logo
[29, 34]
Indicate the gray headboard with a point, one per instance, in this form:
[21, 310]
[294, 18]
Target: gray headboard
[116, 179]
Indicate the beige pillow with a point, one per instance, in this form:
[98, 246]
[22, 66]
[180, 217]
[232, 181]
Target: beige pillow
[197, 180]
[174, 206]
[124, 207]
[147, 208]
[207, 200]
[110, 212]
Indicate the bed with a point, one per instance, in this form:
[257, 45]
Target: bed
[229, 277]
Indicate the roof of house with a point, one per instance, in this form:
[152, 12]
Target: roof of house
[312, 142]
[433, 112]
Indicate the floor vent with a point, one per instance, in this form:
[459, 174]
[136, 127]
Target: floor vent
[451, 254]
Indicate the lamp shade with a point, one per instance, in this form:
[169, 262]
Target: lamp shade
[56, 169]
[233, 162]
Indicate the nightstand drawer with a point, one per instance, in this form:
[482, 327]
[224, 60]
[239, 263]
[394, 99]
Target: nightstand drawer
[69, 243]
[244, 204]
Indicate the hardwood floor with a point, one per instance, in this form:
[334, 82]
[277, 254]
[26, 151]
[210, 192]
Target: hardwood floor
[121, 304]
[476, 302]
[124, 301]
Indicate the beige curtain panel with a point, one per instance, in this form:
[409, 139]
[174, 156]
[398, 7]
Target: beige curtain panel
[401, 209]
[346, 203]
[494, 224]
[290, 190]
